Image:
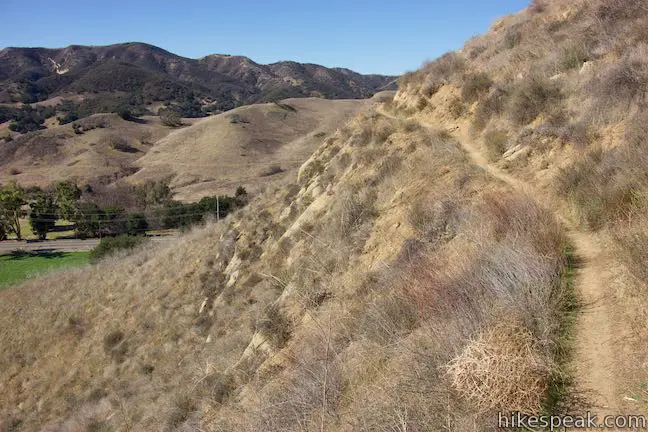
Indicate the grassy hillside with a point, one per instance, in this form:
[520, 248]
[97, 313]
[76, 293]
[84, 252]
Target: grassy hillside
[296, 313]
[252, 146]
[474, 246]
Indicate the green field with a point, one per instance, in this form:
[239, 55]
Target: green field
[19, 266]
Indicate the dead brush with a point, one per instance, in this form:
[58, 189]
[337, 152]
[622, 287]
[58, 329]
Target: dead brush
[502, 370]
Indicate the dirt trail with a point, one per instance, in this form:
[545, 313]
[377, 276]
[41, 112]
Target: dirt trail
[593, 360]
[593, 363]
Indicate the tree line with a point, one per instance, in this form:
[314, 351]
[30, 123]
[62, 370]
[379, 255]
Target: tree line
[149, 206]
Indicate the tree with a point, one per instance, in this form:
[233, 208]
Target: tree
[12, 200]
[241, 196]
[26, 120]
[154, 193]
[240, 191]
[136, 224]
[113, 222]
[88, 218]
[67, 196]
[43, 214]
[125, 114]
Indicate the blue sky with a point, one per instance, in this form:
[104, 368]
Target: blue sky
[367, 36]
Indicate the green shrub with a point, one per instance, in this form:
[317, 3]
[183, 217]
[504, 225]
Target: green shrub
[125, 114]
[474, 86]
[109, 245]
[136, 224]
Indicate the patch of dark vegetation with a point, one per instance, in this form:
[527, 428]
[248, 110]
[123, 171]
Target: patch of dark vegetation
[111, 245]
[270, 171]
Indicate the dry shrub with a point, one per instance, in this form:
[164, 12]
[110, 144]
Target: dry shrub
[636, 133]
[445, 67]
[605, 187]
[531, 97]
[435, 222]
[182, 409]
[120, 144]
[387, 167]
[574, 56]
[557, 125]
[410, 126]
[274, 326]
[578, 184]
[475, 85]
[493, 104]
[501, 370]
[538, 6]
[433, 75]
[271, 170]
[305, 395]
[632, 247]
[496, 142]
[512, 38]
[621, 84]
[421, 103]
[611, 12]
[521, 216]
[387, 319]
[383, 131]
[456, 108]
[351, 214]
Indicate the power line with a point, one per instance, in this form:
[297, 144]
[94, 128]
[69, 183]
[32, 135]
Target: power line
[123, 219]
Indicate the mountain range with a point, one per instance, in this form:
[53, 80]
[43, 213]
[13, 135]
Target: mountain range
[138, 75]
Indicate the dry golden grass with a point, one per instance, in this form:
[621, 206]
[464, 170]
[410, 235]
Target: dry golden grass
[207, 156]
[393, 285]
[295, 313]
[97, 151]
[219, 153]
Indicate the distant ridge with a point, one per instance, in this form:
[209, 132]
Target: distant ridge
[143, 74]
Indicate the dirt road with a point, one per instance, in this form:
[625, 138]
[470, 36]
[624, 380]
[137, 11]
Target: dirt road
[67, 245]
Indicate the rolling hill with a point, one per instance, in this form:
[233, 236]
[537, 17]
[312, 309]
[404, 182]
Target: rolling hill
[251, 146]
